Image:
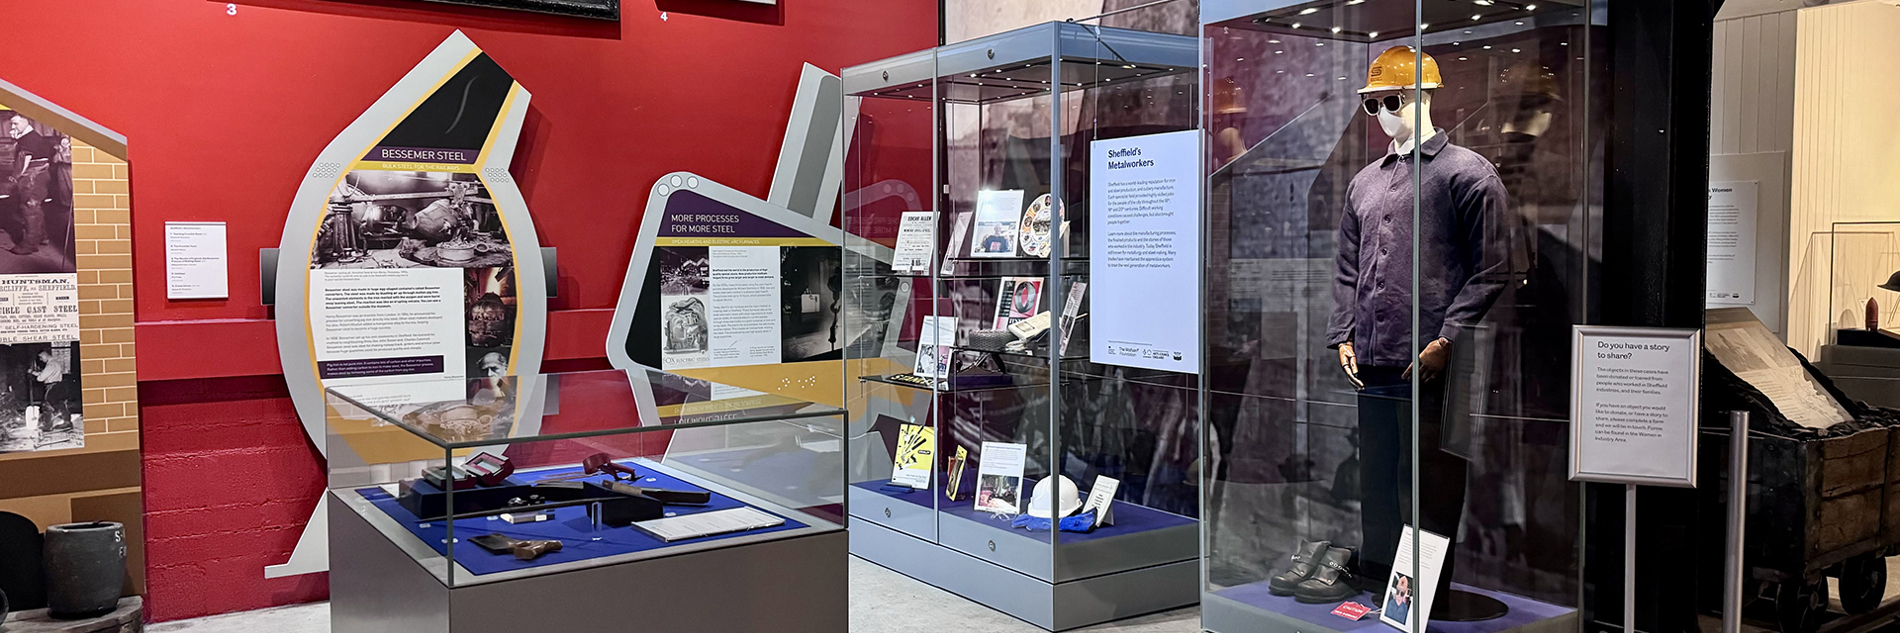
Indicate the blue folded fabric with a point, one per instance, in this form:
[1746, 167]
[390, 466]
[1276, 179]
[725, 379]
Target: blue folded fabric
[1084, 522]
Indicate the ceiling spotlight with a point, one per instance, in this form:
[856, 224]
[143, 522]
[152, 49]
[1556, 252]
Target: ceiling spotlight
[1424, 25]
[1353, 2]
[1273, 41]
[1319, 43]
[1296, 25]
[1484, 3]
[1336, 29]
[1517, 50]
[1309, 74]
[1520, 23]
[1530, 7]
[1464, 59]
[1475, 17]
[1373, 34]
[1309, 10]
[1487, 47]
[1240, 59]
[1279, 52]
[1279, 72]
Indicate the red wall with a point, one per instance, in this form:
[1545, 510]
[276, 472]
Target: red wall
[224, 113]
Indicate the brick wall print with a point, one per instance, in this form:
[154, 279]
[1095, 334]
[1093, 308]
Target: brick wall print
[102, 219]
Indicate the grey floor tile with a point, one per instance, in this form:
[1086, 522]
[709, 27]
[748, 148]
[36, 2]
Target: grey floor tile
[882, 601]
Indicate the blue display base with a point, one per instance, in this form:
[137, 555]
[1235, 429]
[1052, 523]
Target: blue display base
[919, 498]
[570, 525]
[1523, 612]
[1129, 518]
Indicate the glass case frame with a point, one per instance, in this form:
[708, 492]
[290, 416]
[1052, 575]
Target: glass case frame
[1287, 438]
[969, 125]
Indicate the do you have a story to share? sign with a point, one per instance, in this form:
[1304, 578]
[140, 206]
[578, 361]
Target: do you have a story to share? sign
[1635, 398]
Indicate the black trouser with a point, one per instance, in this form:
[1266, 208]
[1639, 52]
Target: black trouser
[1385, 471]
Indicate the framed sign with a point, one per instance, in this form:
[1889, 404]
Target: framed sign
[596, 9]
[1634, 402]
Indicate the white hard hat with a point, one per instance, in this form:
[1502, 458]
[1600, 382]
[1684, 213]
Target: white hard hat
[1067, 498]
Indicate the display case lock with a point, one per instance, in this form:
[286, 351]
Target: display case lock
[887, 513]
[992, 546]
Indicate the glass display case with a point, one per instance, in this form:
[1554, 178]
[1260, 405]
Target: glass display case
[547, 501]
[1860, 262]
[1404, 221]
[990, 456]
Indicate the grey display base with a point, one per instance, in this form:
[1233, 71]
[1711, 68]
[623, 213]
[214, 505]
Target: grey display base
[792, 584]
[1056, 607]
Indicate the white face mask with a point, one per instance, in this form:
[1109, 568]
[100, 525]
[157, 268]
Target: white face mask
[1397, 126]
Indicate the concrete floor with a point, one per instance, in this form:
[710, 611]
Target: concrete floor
[881, 601]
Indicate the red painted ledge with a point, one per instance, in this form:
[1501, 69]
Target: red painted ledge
[220, 348]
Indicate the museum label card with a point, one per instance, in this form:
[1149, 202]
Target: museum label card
[1407, 597]
[1101, 496]
[914, 241]
[195, 263]
[712, 523]
[999, 477]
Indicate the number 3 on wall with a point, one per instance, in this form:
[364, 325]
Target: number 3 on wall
[230, 9]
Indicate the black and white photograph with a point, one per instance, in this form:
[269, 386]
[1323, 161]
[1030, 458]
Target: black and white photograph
[487, 362]
[489, 306]
[36, 197]
[410, 219]
[810, 284]
[684, 282]
[40, 406]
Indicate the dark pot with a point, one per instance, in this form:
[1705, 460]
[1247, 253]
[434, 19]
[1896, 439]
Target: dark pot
[85, 568]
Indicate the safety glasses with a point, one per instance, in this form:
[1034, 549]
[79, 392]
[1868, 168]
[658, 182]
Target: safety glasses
[1391, 102]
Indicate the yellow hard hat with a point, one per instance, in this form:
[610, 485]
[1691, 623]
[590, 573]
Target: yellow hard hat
[1395, 70]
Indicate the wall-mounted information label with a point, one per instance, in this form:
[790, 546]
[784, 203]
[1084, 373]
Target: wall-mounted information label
[1636, 393]
[1732, 213]
[195, 262]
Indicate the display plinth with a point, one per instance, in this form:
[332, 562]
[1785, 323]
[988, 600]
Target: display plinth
[1252, 608]
[792, 584]
[1056, 606]
[634, 500]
